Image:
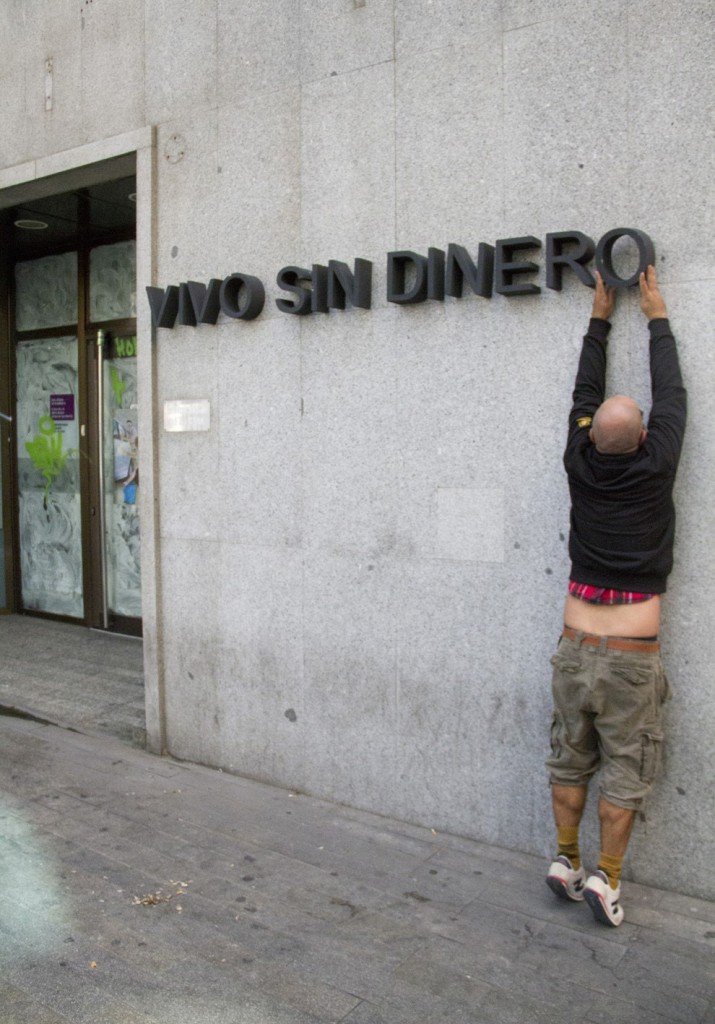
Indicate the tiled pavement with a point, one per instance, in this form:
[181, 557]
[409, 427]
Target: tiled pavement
[73, 676]
[284, 909]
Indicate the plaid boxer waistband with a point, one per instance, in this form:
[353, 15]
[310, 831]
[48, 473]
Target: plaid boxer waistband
[613, 643]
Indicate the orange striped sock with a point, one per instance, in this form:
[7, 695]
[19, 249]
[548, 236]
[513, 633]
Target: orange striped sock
[611, 866]
[567, 838]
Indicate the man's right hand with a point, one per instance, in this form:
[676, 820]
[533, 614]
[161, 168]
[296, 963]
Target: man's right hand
[604, 300]
[652, 302]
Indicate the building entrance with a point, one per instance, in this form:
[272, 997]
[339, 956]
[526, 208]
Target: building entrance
[72, 358]
[5, 421]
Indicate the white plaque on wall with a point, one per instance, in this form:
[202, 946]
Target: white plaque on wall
[186, 414]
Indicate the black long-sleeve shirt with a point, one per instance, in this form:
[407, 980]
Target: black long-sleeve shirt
[622, 512]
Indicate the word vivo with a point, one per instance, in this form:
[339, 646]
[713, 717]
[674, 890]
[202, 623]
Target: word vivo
[411, 278]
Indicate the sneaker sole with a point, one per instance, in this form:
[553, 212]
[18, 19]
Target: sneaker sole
[598, 909]
[560, 889]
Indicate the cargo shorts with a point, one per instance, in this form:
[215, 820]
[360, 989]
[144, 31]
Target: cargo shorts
[608, 714]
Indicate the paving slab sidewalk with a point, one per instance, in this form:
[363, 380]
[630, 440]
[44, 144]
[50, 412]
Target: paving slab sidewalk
[79, 678]
[140, 890]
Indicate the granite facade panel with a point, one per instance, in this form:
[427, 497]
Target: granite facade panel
[373, 532]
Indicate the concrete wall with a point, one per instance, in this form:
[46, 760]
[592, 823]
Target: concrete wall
[363, 562]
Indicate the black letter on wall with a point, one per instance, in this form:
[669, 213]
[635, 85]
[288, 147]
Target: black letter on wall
[344, 284]
[186, 310]
[164, 303]
[253, 299]
[205, 301]
[397, 264]
[289, 279]
[505, 268]
[557, 259]
[319, 282]
[604, 254]
[460, 266]
[435, 274]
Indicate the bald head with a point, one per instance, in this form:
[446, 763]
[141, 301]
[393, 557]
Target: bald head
[618, 426]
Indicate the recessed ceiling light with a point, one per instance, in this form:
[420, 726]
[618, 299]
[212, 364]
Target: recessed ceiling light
[132, 196]
[31, 225]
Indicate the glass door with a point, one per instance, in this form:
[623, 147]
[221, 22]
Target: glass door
[50, 512]
[114, 440]
[5, 422]
[49, 504]
[119, 479]
[77, 487]
[3, 599]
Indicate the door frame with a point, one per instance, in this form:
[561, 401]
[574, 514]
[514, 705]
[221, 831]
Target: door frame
[104, 160]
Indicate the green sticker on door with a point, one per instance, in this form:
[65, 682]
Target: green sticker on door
[118, 385]
[45, 451]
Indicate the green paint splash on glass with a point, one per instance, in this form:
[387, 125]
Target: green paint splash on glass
[46, 453]
[119, 386]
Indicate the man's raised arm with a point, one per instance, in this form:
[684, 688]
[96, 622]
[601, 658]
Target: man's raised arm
[666, 423]
[590, 388]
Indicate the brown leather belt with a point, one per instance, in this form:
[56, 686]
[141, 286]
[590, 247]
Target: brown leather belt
[613, 643]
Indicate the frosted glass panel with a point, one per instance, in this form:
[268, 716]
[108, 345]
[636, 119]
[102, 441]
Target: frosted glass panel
[3, 600]
[48, 476]
[46, 292]
[121, 479]
[112, 282]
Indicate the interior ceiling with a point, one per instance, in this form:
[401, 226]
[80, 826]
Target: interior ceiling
[110, 208]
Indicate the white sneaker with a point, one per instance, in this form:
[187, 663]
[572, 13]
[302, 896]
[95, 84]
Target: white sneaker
[564, 881]
[603, 900]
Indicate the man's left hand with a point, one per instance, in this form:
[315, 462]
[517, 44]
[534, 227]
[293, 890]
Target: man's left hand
[604, 301]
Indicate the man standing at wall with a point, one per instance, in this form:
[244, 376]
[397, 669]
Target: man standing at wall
[608, 683]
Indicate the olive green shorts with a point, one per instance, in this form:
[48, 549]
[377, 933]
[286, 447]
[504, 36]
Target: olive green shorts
[608, 714]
